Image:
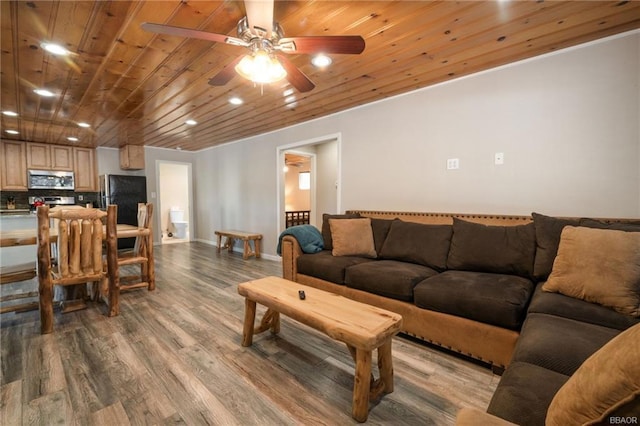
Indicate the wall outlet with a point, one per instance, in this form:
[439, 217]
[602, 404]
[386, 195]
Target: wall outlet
[80, 197]
[499, 158]
[453, 163]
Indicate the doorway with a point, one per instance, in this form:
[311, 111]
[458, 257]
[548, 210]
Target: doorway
[324, 177]
[298, 193]
[174, 211]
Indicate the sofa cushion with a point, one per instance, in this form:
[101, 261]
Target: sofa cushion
[600, 266]
[326, 266]
[524, 393]
[498, 249]
[496, 299]
[387, 278]
[559, 344]
[606, 386]
[558, 304]
[352, 237]
[326, 229]
[381, 229]
[548, 230]
[419, 243]
[630, 226]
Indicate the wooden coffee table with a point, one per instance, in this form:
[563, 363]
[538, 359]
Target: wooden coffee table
[362, 327]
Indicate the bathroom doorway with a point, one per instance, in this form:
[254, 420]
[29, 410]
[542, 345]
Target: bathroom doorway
[174, 195]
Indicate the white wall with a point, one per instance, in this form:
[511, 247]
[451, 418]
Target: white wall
[567, 124]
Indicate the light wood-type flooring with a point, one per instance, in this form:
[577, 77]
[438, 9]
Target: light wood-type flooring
[173, 356]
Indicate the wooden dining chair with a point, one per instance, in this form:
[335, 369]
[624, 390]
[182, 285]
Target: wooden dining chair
[142, 254]
[78, 258]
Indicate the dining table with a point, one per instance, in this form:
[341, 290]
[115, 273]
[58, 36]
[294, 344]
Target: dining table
[26, 237]
[26, 271]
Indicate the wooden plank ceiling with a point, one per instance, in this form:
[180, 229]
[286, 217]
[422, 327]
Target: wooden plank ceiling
[136, 87]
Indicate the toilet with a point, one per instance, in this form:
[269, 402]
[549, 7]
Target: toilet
[177, 220]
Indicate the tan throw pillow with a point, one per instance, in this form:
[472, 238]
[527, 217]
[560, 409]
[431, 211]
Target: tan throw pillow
[352, 237]
[599, 266]
[605, 387]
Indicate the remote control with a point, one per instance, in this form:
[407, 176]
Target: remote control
[301, 294]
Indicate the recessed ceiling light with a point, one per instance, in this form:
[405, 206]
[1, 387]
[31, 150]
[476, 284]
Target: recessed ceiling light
[235, 101]
[288, 92]
[12, 132]
[84, 124]
[321, 60]
[191, 122]
[56, 49]
[44, 92]
[72, 139]
[10, 113]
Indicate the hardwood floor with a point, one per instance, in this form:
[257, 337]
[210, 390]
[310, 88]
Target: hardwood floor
[173, 356]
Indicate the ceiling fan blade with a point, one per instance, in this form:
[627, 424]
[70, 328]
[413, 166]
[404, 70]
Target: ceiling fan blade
[322, 44]
[296, 77]
[191, 33]
[260, 16]
[227, 73]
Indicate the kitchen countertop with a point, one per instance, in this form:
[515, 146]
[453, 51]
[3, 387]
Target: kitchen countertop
[5, 213]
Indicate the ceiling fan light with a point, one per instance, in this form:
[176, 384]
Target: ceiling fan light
[44, 93]
[321, 60]
[56, 49]
[261, 68]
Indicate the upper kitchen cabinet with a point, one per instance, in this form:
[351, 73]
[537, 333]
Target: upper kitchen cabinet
[84, 165]
[13, 176]
[132, 157]
[49, 157]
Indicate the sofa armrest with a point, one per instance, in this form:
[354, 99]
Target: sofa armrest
[291, 250]
[475, 417]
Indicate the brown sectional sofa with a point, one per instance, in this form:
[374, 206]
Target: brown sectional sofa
[473, 284]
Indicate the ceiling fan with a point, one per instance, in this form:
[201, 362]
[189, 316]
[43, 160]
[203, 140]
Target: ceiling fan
[264, 37]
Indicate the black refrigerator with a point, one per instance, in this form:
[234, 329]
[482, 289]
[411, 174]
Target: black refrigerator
[126, 191]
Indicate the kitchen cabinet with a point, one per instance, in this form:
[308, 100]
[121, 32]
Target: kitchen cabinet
[49, 157]
[84, 165]
[132, 157]
[13, 164]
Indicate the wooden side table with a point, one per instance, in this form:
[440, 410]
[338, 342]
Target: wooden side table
[246, 237]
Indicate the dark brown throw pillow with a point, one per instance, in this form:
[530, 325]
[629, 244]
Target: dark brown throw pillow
[380, 231]
[419, 243]
[548, 230]
[631, 226]
[326, 229]
[496, 249]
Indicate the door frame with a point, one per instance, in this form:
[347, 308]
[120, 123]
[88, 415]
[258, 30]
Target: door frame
[158, 214]
[281, 150]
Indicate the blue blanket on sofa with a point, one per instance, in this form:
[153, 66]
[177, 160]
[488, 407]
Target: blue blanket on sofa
[308, 236]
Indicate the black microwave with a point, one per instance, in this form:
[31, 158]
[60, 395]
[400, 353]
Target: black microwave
[50, 179]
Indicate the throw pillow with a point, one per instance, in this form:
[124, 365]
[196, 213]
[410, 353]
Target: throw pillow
[629, 226]
[352, 237]
[419, 243]
[326, 229]
[548, 230]
[489, 248]
[605, 387]
[599, 266]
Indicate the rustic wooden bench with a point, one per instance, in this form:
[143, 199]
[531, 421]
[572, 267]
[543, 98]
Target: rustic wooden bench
[362, 327]
[246, 237]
